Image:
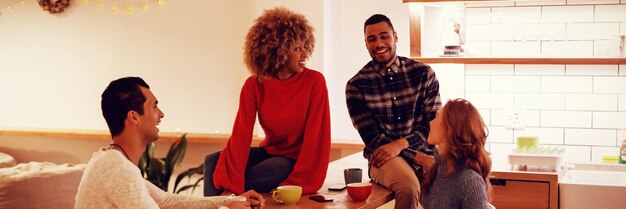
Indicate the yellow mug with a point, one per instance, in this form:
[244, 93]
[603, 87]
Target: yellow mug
[287, 195]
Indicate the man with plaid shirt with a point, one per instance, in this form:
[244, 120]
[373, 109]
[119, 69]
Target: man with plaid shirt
[391, 101]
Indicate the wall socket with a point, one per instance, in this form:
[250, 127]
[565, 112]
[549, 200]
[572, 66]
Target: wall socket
[515, 119]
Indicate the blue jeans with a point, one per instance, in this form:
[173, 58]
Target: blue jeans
[263, 172]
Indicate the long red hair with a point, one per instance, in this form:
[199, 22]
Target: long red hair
[465, 136]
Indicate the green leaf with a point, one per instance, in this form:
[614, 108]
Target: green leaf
[188, 173]
[193, 186]
[184, 188]
[176, 153]
[157, 172]
[144, 161]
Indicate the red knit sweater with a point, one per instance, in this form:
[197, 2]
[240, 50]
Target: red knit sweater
[295, 116]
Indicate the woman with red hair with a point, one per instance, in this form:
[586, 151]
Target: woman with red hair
[459, 177]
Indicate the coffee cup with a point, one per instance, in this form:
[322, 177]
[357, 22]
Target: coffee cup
[352, 175]
[287, 195]
[359, 191]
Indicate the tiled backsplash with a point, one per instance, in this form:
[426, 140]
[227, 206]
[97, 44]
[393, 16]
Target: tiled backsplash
[554, 28]
[580, 107]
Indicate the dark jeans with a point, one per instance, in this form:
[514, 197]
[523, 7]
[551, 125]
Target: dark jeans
[263, 171]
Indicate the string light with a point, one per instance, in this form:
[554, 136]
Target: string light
[11, 5]
[127, 6]
[115, 6]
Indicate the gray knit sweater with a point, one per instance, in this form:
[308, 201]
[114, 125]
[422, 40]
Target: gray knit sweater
[465, 188]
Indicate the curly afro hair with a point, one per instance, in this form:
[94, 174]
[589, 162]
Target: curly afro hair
[271, 39]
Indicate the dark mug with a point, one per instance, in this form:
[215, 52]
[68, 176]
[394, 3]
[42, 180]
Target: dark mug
[352, 175]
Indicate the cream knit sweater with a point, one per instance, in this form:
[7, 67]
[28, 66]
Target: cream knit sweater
[111, 181]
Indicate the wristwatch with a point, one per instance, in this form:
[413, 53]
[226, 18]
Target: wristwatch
[223, 207]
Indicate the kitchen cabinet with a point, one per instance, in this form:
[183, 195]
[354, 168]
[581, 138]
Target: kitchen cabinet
[416, 20]
[525, 189]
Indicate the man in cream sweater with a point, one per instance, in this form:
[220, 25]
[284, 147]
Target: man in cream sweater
[112, 178]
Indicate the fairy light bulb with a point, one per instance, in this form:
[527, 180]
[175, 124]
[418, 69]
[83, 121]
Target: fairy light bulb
[85, 1]
[98, 5]
[144, 7]
[10, 7]
[114, 8]
[22, 2]
[161, 2]
[129, 9]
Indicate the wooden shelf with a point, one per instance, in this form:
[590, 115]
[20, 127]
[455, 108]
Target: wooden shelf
[192, 138]
[432, 1]
[526, 60]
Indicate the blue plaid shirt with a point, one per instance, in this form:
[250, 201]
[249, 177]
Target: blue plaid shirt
[390, 103]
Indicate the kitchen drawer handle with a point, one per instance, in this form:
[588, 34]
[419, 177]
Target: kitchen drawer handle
[498, 182]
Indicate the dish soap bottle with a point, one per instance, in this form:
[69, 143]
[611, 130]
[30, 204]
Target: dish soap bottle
[622, 153]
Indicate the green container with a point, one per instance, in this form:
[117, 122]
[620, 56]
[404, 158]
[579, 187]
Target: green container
[529, 142]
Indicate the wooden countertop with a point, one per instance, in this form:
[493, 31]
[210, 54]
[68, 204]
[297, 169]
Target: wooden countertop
[380, 195]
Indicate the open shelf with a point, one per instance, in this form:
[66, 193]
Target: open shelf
[431, 1]
[523, 60]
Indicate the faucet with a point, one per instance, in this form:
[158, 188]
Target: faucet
[565, 171]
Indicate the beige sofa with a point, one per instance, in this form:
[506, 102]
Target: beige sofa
[39, 185]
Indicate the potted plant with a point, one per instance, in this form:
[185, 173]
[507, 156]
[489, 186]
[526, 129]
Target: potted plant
[159, 170]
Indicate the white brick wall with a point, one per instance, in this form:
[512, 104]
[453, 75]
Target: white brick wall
[539, 69]
[489, 69]
[575, 2]
[516, 15]
[540, 2]
[592, 31]
[591, 102]
[490, 100]
[551, 136]
[595, 137]
[528, 117]
[598, 152]
[486, 115]
[622, 103]
[610, 70]
[563, 84]
[579, 107]
[610, 13]
[567, 14]
[515, 84]
[477, 83]
[572, 119]
[609, 85]
[615, 120]
[540, 101]
[578, 154]
[500, 134]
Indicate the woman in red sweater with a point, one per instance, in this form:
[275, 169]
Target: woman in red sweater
[292, 104]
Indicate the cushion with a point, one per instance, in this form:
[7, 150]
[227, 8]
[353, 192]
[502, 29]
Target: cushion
[39, 185]
[6, 160]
